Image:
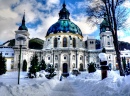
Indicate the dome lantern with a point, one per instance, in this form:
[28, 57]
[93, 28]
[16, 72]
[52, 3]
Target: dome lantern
[23, 26]
[64, 24]
[64, 13]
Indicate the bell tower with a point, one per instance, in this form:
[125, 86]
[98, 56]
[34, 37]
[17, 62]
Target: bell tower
[22, 30]
[106, 34]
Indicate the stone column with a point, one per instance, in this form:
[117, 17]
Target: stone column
[84, 60]
[59, 62]
[51, 56]
[76, 59]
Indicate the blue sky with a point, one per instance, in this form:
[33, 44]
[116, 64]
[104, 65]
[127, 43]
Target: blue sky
[41, 14]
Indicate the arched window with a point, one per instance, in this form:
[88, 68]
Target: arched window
[81, 57]
[48, 58]
[73, 58]
[74, 42]
[55, 42]
[73, 65]
[56, 57]
[108, 43]
[64, 57]
[64, 42]
[56, 65]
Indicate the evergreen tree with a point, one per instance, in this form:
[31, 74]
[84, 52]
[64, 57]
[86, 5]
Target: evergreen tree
[50, 69]
[24, 68]
[42, 65]
[2, 65]
[34, 67]
[91, 67]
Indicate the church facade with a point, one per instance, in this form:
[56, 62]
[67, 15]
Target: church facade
[64, 46]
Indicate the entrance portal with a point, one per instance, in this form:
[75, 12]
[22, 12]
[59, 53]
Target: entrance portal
[81, 67]
[65, 68]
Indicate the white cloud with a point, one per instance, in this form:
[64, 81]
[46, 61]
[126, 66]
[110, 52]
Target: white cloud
[121, 33]
[86, 27]
[53, 2]
[125, 39]
[41, 30]
[123, 36]
[9, 17]
[7, 3]
[8, 13]
[127, 4]
[29, 9]
[81, 4]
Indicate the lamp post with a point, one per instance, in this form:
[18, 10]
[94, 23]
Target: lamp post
[84, 59]
[76, 58]
[53, 57]
[20, 38]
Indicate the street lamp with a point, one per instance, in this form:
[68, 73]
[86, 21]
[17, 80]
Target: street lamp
[20, 38]
[53, 56]
[76, 57]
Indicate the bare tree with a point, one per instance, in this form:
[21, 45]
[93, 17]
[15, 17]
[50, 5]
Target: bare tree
[116, 15]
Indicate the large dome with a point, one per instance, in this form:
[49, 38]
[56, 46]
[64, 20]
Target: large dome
[64, 24]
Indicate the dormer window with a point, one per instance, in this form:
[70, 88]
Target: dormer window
[6, 53]
[91, 42]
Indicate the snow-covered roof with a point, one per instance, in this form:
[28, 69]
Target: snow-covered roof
[109, 48]
[96, 50]
[7, 51]
[90, 37]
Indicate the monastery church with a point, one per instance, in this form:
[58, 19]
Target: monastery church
[64, 46]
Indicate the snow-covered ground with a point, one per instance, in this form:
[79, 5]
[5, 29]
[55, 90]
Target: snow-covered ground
[85, 84]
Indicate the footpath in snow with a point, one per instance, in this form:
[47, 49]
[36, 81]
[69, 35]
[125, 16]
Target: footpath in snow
[65, 88]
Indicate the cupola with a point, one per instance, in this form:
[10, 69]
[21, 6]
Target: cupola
[23, 26]
[104, 26]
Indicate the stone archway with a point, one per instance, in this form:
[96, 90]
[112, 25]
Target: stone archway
[65, 68]
[81, 67]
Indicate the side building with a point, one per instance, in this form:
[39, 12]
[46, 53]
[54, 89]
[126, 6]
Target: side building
[8, 53]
